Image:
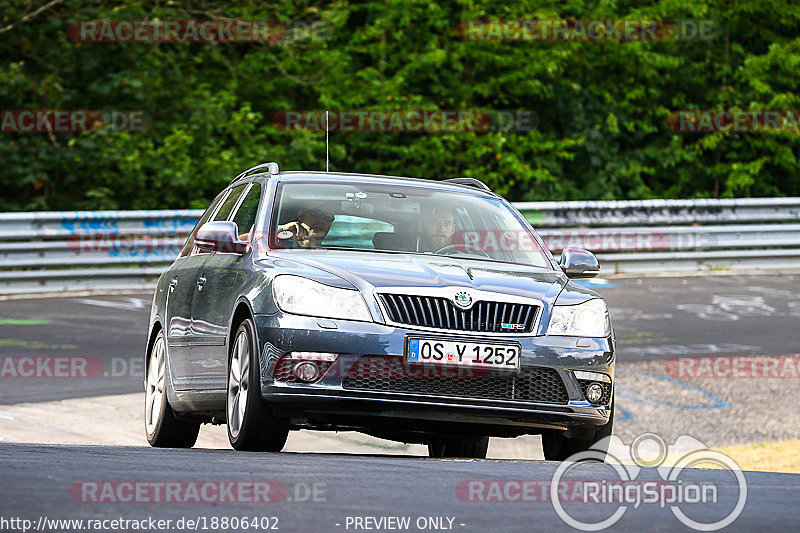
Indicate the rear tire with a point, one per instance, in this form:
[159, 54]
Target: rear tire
[251, 424]
[557, 447]
[162, 427]
[461, 448]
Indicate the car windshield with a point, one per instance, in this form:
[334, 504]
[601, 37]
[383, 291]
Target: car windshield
[401, 218]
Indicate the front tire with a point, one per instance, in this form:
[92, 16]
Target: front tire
[461, 448]
[162, 427]
[251, 425]
[557, 447]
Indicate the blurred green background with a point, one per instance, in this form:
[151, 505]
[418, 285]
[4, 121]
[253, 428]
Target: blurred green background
[601, 106]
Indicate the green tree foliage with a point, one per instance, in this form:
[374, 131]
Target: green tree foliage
[602, 107]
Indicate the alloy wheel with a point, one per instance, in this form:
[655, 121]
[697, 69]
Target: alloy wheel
[154, 393]
[238, 383]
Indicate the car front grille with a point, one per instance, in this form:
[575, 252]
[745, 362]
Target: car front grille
[442, 313]
[391, 374]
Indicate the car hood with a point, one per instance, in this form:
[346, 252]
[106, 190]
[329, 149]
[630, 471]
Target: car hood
[374, 271]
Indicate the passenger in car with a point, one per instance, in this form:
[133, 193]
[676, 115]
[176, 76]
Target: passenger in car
[436, 230]
[308, 230]
[433, 232]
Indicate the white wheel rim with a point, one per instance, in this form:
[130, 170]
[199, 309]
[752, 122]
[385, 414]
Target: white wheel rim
[238, 383]
[154, 392]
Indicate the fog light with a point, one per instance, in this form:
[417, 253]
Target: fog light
[594, 392]
[306, 371]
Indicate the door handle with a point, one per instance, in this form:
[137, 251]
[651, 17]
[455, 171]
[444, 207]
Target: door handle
[200, 282]
[172, 284]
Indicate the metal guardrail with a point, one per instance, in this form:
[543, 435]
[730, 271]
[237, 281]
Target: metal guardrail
[89, 250]
[58, 251]
[651, 236]
[661, 212]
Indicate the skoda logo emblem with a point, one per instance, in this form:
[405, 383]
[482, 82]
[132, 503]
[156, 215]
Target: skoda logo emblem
[463, 299]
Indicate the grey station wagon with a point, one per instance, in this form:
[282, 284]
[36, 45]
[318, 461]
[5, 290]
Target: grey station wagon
[419, 311]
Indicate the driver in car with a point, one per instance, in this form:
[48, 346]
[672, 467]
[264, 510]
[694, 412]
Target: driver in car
[436, 231]
[308, 230]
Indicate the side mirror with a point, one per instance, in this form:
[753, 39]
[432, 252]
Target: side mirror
[220, 236]
[578, 263]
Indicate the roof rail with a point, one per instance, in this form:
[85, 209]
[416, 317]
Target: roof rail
[470, 181]
[272, 168]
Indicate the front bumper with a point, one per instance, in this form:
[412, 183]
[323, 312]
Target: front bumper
[328, 403]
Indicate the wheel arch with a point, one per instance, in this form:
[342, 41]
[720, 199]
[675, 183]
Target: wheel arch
[242, 311]
[155, 328]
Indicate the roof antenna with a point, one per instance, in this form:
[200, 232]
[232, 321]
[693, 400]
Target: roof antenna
[327, 161]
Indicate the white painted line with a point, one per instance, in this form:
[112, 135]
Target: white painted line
[131, 304]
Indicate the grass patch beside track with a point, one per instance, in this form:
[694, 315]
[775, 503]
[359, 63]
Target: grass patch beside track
[779, 456]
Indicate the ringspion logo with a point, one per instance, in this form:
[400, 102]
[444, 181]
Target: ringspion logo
[648, 451]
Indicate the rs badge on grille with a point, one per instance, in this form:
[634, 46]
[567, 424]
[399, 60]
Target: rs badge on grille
[463, 299]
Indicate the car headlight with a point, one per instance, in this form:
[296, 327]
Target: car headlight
[302, 296]
[589, 319]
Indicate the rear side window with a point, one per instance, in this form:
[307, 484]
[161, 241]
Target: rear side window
[245, 216]
[187, 247]
[230, 201]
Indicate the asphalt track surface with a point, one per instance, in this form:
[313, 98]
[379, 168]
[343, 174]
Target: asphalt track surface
[37, 482]
[655, 319]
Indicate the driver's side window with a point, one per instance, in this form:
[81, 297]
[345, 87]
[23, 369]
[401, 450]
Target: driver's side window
[227, 206]
[245, 216]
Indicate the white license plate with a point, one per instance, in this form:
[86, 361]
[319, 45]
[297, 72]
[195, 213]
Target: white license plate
[472, 354]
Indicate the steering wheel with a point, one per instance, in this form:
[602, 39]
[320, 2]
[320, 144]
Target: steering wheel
[468, 247]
